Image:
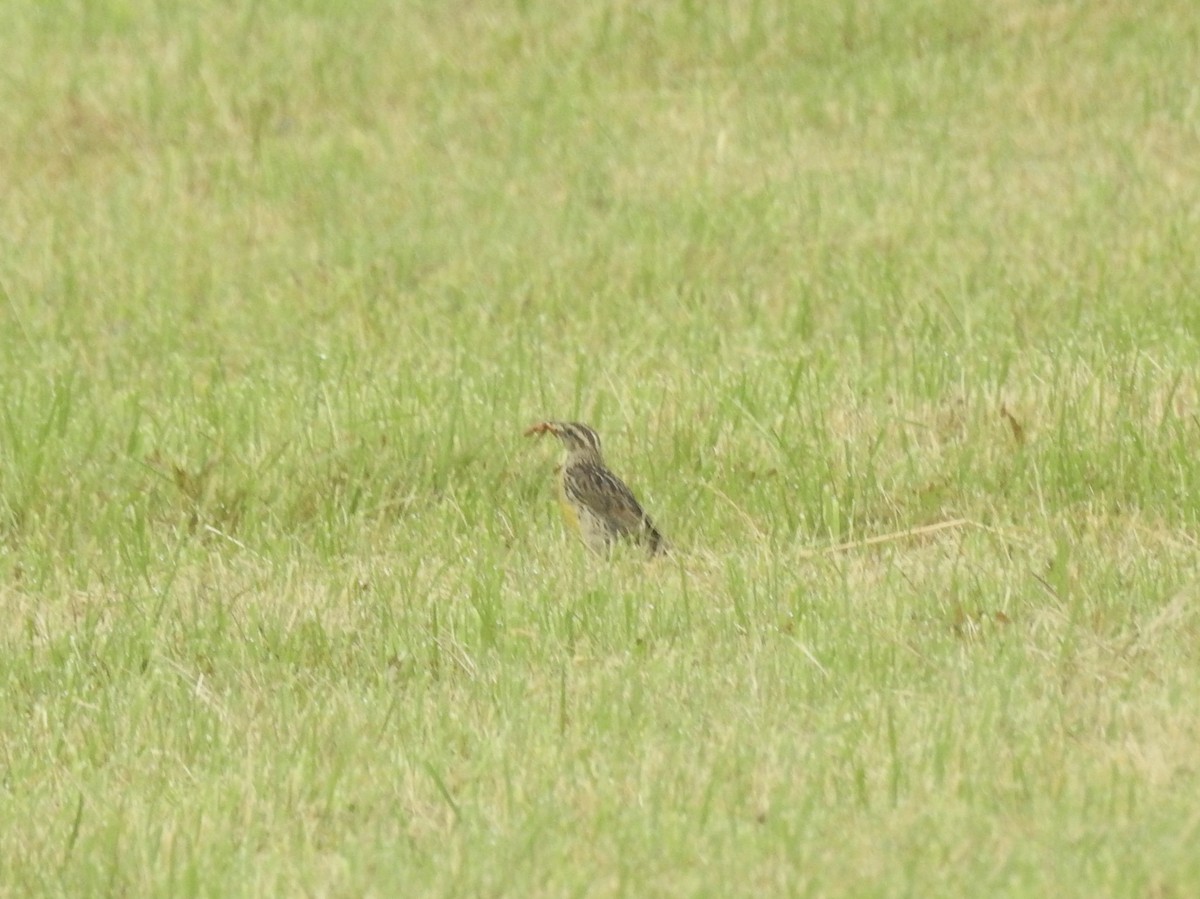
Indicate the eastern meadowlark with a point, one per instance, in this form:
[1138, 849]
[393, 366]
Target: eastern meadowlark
[595, 502]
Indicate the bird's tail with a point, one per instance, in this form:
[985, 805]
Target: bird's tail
[654, 539]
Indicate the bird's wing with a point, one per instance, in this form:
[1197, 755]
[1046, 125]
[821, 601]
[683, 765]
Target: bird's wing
[606, 495]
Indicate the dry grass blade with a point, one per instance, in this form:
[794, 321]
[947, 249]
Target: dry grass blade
[909, 534]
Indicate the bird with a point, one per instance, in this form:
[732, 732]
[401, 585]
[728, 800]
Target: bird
[597, 504]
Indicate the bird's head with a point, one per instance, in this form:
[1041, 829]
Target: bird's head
[573, 435]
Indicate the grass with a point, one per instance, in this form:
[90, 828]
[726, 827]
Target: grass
[886, 310]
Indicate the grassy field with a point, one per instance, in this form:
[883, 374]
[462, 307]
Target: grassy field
[887, 310]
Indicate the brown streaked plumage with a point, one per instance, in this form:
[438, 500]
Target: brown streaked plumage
[595, 502]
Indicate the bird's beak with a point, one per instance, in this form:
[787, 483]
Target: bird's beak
[541, 428]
